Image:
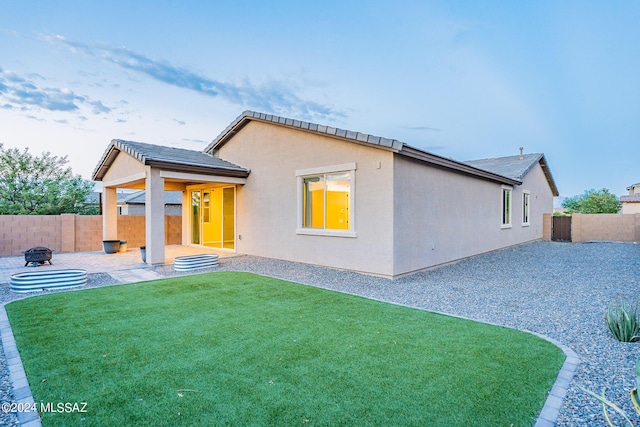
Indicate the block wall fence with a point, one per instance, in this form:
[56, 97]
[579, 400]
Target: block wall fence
[75, 233]
[599, 227]
[612, 227]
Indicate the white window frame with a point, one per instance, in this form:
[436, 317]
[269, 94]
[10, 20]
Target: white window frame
[304, 173]
[508, 223]
[526, 208]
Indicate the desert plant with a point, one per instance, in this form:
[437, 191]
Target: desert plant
[606, 403]
[623, 321]
[634, 393]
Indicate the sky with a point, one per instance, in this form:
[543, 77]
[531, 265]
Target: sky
[461, 79]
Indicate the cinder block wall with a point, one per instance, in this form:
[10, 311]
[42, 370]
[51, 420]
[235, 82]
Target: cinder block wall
[132, 229]
[75, 233]
[88, 233]
[609, 227]
[546, 226]
[21, 232]
[172, 229]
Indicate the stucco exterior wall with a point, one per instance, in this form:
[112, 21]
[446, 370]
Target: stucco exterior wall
[442, 216]
[630, 208]
[267, 205]
[124, 166]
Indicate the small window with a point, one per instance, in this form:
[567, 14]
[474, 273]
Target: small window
[325, 203]
[506, 207]
[526, 197]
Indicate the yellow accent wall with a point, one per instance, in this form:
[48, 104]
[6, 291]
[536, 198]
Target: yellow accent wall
[212, 229]
[337, 210]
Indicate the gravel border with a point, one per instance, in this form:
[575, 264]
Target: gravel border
[559, 290]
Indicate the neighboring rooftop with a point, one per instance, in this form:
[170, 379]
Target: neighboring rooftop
[633, 198]
[138, 197]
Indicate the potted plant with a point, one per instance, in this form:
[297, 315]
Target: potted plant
[111, 246]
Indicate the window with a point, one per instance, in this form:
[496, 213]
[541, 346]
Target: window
[325, 200]
[506, 207]
[526, 197]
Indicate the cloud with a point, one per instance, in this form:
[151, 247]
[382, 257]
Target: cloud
[422, 128]
[20, 93]
[199, 141]
[180, 122]
[272, 97]
[99, 107]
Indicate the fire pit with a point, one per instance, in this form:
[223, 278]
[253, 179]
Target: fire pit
[37, 255]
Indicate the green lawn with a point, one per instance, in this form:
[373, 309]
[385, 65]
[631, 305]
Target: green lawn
[240, 349]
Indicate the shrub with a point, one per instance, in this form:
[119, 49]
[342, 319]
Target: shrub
[623, 321]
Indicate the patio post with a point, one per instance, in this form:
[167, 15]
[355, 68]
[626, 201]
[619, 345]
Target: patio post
[154, 215]
[109, 214]
[186, 218]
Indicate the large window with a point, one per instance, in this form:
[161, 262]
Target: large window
[506, 207]
[526, 198]
[325, 201]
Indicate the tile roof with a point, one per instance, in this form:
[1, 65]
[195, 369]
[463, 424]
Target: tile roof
[138, 197]
[243, 118]
[506, 170]
[516, 167]
[169, 158]
[360, 138]
[512, 166]
[630, 198]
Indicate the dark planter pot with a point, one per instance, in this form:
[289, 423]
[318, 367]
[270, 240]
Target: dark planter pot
[143, 252]
[111, 246]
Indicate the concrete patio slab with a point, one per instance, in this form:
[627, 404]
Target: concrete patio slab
[100, 262]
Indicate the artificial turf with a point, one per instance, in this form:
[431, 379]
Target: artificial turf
[231, 348]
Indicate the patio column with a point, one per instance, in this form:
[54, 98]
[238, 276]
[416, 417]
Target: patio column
[109, 214]
[154, 214]
[186, 218]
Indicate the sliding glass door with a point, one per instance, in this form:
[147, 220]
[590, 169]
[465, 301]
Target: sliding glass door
[213, 217]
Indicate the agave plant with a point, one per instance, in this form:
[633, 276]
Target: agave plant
[606, 403]
[623, 321]
[634, 392]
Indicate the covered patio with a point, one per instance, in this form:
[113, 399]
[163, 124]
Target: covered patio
[100, 262]
[155, 169]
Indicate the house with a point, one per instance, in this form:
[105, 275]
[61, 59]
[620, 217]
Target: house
[134, 203]
[288, 189]
[631, 202]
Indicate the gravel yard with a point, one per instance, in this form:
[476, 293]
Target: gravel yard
[560, 290]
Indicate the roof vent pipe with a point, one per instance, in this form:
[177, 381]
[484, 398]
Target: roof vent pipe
[521, 156]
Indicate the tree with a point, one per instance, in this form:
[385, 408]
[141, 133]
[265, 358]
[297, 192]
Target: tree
[593, 202]
[41, 185]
